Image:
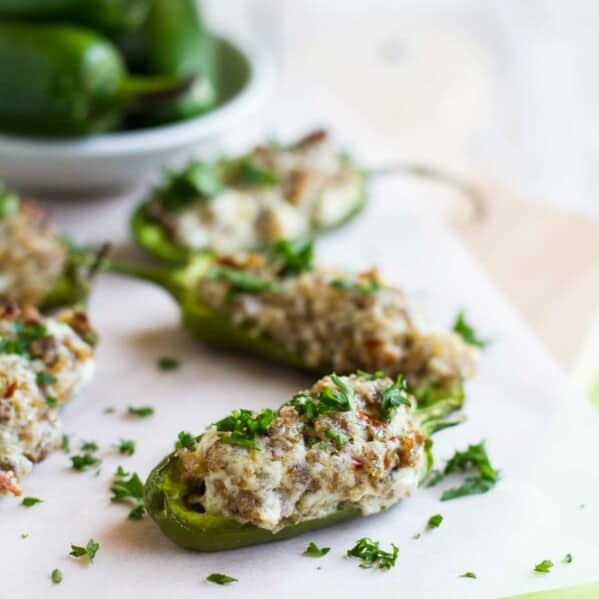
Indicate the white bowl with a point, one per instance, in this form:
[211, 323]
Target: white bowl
[119, 160]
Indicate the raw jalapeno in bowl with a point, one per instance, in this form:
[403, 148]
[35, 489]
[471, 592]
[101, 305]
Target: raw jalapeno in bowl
[105, 15]
[63, 81]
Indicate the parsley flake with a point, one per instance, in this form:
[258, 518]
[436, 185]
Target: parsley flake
[186, 441]
[296, 256]
[89, 446]
[125, 447]
[84, 461]
[65, 444]
[474, 458]
[31, 501]
[165, 364]
[43, 378]
[51, 401]
[327, 401]
[220, 578]
[370, 554]
[24, 535]
[416, 536]
[140, 412]
[243, 427]
[568, 558]
[338, 438]
[240, 281]
[314, 551]
[435, 521]
[89, 550]
[56, 576]
[468, 575]
[129, 490]
[394, 396]
[366, 286]
[467, 332]
[544, 566]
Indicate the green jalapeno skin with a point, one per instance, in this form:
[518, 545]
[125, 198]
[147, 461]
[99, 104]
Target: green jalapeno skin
[62, 80]
[173, 41]
[164, 500]
[105, 15]
[164, 497]
[154, 239]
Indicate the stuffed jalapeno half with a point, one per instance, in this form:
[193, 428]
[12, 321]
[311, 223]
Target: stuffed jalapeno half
[351, 445]
[275, 192]
[44, 362]
[278, 305]
[37, 266]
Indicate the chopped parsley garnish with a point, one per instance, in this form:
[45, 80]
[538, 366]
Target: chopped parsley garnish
[186, 441]
[89, 550]
[129, 490]
[126, 446]
[89, 446]
[43, 378]
[314, 551]
[141, 412]
[544, 566]
[363, 285]
[416, 536]
[51, 401]
[434, 478]
[327, 401]
[435, 521]
[65, 444]
[220, 578]
[468, 575]
[371, 554]
[394, 396]
[9, 202]
[371, 376]
[56, 576]
[24, 535]
[296, 256]
[337, 437]
[243, 427]
[195, 182]
[568, 558]
[467, 332]
[19, 337]
[30, 501]
[84, 461]
[109, 410]
[240, 281]
[474, 458]
[246, 171]
[165, 363]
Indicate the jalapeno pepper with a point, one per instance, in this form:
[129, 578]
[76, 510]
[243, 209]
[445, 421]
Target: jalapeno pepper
[61, 80]
[219, 329]
[106, 15]
[173, 41]
[263, 192]
[166, 490]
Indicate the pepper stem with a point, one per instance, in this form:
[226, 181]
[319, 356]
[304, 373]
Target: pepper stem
[137, 92]
[433, 417]
[431, 173]
[162, 276]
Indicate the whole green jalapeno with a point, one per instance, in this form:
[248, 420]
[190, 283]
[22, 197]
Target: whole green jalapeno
[175, 492]
[62, 80]
[173, 41]
[105, 15]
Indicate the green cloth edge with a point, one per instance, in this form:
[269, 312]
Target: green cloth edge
[584, 591]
